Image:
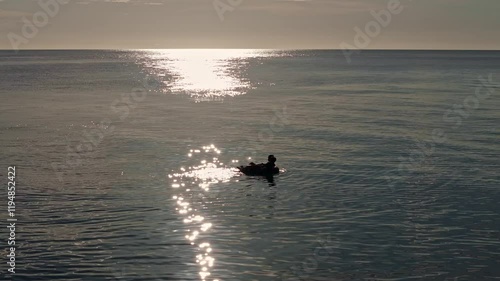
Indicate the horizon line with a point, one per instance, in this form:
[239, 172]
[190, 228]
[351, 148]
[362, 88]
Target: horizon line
[266, 49]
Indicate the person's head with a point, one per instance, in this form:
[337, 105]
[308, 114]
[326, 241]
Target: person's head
[271, 158]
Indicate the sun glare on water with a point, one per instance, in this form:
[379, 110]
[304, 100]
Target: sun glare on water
[194, 181]
[202, 74]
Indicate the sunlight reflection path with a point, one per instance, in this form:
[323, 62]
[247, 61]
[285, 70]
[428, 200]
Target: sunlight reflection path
[193, 180]
[205, 75]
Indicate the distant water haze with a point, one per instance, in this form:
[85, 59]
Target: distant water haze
[126, 164]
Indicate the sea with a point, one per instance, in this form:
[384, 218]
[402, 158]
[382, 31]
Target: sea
[125, 164]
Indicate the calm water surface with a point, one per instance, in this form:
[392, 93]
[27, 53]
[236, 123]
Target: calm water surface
[125, 164]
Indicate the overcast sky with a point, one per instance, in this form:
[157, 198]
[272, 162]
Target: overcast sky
[326, 24]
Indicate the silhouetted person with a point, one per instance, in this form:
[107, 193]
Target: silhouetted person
[270, 162]
[261, 169]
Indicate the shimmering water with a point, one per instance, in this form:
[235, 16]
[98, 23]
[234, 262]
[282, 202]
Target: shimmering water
[125, 164]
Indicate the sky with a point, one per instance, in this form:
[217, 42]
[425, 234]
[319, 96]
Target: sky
[250, 24]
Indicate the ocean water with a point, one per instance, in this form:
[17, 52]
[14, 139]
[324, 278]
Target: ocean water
[125, 164]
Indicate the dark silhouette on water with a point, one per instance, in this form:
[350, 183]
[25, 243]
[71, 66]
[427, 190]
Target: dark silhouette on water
[268, 170]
